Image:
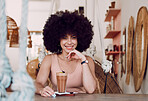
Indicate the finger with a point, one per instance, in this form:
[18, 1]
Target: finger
[71, 54]
[68, 54]
[49, 90]
[73, 51]
[45, 94]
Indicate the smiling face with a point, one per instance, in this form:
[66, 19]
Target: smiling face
[68, 43]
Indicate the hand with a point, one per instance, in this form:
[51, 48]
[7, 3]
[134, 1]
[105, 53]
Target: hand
[74, 54]
[46, 92]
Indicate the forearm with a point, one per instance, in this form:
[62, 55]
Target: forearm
[78, 89]
[89, 81]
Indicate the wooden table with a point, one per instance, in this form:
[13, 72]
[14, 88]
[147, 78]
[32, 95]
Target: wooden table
[96, 97]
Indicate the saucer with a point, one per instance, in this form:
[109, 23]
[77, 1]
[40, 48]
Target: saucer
[65, 93]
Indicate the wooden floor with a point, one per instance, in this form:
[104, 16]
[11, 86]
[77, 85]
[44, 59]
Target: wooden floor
[96, 97]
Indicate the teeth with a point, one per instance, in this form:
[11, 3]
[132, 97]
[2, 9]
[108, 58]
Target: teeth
[69, 47]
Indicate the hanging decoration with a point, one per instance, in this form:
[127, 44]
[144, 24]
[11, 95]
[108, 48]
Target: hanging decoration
[130, 48]
[5, 69]
[140, 47]
[22, 85]
[123, 56]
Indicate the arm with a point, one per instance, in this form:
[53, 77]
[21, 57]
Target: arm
[89, 78]
[42, 78]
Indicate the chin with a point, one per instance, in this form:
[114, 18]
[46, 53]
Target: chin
[67, 51]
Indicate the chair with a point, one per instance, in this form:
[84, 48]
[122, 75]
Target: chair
[32, 68]
[112, 86]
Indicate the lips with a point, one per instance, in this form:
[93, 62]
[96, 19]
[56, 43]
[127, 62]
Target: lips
[69, 48]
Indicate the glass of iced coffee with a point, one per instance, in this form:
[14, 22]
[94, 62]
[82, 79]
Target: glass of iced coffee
[61, 82]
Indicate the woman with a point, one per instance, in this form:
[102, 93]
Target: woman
[66, 35]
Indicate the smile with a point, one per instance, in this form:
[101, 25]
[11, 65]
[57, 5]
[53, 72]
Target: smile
[69, 47]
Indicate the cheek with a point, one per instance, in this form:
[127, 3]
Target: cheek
[62, 43]
[76, 43]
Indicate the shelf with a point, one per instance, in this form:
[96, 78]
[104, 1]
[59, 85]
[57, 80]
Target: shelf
[114, 52]
[112, 12]
[112, 34]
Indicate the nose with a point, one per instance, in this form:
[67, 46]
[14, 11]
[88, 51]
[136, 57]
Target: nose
[69, 40]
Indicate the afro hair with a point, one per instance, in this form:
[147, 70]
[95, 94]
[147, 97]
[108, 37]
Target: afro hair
[66, 22]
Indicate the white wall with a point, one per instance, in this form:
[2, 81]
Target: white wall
[130, 8]
[13, 9]
[38, 13]
[13, 56]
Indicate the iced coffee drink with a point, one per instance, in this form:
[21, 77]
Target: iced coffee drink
[61, 82]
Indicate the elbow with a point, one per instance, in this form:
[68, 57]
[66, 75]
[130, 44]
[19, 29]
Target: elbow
[91, 90]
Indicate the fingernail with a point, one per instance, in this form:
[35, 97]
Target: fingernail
[54, 95]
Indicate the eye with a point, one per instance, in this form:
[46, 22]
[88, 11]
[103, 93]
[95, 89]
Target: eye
[73, 37]
[64, 37]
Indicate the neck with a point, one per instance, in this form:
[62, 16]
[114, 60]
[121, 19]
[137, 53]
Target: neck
[63, 57]
[63, 54]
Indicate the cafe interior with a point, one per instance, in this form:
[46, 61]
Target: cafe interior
[119, 43]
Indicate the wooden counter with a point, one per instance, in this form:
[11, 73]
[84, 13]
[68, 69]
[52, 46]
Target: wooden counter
[96, 97]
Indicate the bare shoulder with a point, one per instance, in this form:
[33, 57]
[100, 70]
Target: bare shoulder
[48, 57]
[44, 70]
[47, 60]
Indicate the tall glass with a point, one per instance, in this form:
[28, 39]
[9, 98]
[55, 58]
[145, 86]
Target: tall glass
[61, 82]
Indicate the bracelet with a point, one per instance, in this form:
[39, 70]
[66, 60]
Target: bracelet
[85, 61]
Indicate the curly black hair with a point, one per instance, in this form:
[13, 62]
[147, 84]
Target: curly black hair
[66, 22]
